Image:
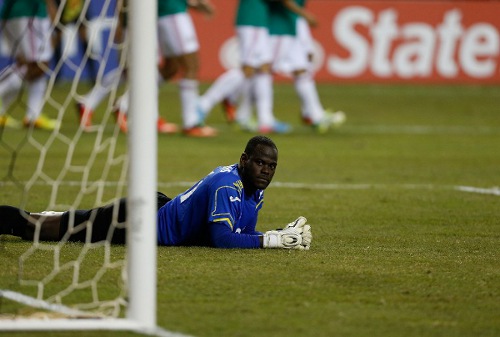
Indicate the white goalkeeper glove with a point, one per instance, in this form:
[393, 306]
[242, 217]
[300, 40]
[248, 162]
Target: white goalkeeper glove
[304, 230]
[296, 235]
[286, 238]
[306, 237]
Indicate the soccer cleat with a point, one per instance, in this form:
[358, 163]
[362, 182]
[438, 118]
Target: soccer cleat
[336, 118]
[165, 127]
[84, 116]
[121, 120]
[329, 120]
[321, 127]
[200, 132]
[229, 109]
[277, 127]
[9, 122]
[248, 126]
[42, 123]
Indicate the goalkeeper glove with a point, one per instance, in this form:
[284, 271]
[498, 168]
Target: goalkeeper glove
[304, 230]
[286, 238]
[298, 223]
[296, 235]
[306, 237]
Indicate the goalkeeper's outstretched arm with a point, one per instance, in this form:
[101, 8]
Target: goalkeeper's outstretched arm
[296, 235]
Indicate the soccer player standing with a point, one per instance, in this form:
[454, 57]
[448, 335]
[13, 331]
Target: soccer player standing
[292, 49]
[26, 27]
[179, 46]
[252, 21]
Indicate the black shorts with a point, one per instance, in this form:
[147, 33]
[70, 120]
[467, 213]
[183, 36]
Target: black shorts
[101, 221]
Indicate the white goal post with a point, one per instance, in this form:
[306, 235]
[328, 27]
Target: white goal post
[141, 234]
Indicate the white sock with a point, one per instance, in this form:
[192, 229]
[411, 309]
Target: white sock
[11, 79]
[101, 89]
[244, 112]
[306, 90]
[224, 86]
[159, 78]
[263, 91]
[7, 100]
[189, 101]
[36, 93]
[122, 103]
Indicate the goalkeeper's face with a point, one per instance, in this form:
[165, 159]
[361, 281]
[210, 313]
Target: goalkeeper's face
[257, 169]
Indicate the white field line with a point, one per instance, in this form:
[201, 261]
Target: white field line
[421, 129]
[495, 190]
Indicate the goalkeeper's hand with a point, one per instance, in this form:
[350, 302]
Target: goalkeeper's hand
[305, 231]
[296, 235]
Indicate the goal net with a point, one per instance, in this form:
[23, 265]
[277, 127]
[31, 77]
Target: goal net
[73, 165]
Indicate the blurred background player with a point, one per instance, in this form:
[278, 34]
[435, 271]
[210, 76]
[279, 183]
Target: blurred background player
[178, 44]
[102, 38]
[107, 55]
[26, 29]
[121, 104]
[252, 25]
[292, 55]
[254, 81]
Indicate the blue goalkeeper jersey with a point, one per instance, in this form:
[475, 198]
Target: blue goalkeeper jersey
[215, 212]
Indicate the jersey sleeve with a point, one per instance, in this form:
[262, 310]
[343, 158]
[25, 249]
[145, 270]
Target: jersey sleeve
[223, 237]
[250, 226]
[225, 205]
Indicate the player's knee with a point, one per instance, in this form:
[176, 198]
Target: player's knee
[248, 71]
[34, 71]
[169, 69]
[265, 68]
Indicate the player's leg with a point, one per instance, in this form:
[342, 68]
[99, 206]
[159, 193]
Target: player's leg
[105, 222]
[263, 91]
[12, 76]
[72, 225]
[313, 112]
[10, 85]
[17, 222]
[296, 62]
[35, 51]
[11, 79]
[244, 112]
[90, 101]
[226, 86]
[188, 89]
[256, 51]
[253, 47]
[179, 45]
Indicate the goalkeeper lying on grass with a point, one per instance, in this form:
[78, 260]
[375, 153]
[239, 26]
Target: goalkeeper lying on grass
[220, 211]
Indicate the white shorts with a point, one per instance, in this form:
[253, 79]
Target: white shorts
[304, 35]
[255, 48]
[177, 35]
[288, 54]
[28, 38]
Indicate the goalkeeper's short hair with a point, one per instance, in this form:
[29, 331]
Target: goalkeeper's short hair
[258, 140]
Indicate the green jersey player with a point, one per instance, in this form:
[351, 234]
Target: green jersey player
[26, 30]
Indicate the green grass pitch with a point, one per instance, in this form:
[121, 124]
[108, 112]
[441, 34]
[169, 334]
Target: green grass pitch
[403, 201]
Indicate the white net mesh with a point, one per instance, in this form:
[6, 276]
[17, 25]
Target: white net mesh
[70, 167]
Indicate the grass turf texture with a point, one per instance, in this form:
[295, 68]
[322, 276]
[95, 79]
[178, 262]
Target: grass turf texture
[398, 248]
